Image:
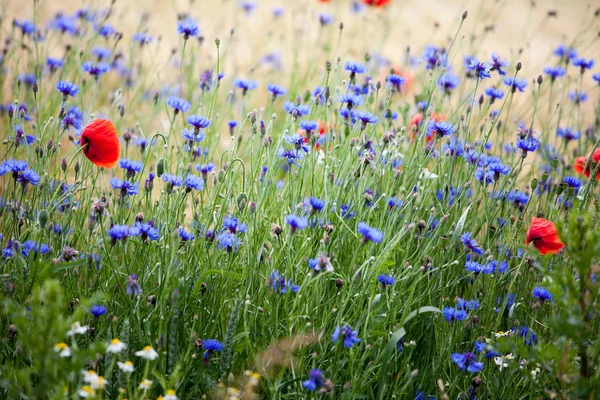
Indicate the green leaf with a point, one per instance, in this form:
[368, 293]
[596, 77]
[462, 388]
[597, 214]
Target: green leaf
[461, 223]
[391, 346]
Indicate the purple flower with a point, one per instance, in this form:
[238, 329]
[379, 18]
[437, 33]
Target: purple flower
[498, 64]
[583, 64]
[178, 104]
[184, 235]
[350, 337]
[554, 72]
[296, 223]
[515, 84]
[448, 82]
[369, 234]
[354, 67]
[67, 89]
[245, 85]
[467, 362]
[133, 288]
[298, 110]
[211, 346]
[315, 380]
[198, 122]
[470, 244]
[275, 90]
[97, 311]
[95, 70]
[127, 188]
[193, 182]
[386, 280]
[395, 81]
[145, 231]
[479, 70]
[453, 314]
[187, 27]
[542, 294]
[28, 177]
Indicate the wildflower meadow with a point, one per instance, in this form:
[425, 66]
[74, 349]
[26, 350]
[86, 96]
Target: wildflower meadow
[284, 200]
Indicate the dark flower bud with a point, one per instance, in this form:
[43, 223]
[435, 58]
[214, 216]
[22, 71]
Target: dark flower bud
[339, 282]
[464, 15]
[252, 207]
[63, 165]
[77, 167]
[328, 66]
[12, 331]
[276, 229]
[139, 217]
[218, 42]
[35, 87]
[519, 66]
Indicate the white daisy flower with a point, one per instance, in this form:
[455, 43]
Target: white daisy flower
[62, 349]
[77, 329]
[99, 383]
[90, 376]
[147, 353]
[116, 346]
[170, 395]
[126, 366]
[145, 384]
[86, 392]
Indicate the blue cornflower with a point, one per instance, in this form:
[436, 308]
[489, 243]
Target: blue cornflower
[31, 246]
[171, 180]
[127, 188]
[15, 166]
[440, 128]
[228, 241]
[278, 12]
[554, 72]
[350, 337]
[28, 177]
[106, 30]
[366, 118]
[97, 311]
[27, 27]
[184, 235]
[193, 182]
[567, 133]
[573, 183]
[95, 70]
[386, 280]
[498, 64]
[348, 114]
[395, 81]
[529, 337]
[596, 77]
[325, 19]
[211, 346]
[198, 122]
[494, 94]
[290, 156]
[316, 204]
[470, 244]
[542, 294]
[133, 287]
[178, 104]
[233, 225]
[187, 27]
[204, 169]
[64, 24]
[345, 212]
[299, 110]
[515, 84]
[296, 223]
[297, 140]
[583, 64]
[448, 82]
[54, 63]
[245, 85]
[467, 362]
[518, 198]
[320, 264]
[565, 52]
[478, 268]
[434, 57]
[275, 90]
[498, 169]
[131, 167]
[315, 380]
[248, 5]
[578, 97]
[141, 38]
[118, 232]
[479, 70]
[279, 284]
[67, 89]
[462, 304]
[352, 100]
[453, 314]
[72, 119]
[528, 144]
[101, 53]
[369, 234]
[354, 67]
[309, 126]
[454, 147]
[145, 231]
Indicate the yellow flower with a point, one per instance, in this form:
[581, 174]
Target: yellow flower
[99, 383]
[170, 395]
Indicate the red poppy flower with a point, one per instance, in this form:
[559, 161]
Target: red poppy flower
[581, 161]
[377, 3]
[544, 236]
[101, 143]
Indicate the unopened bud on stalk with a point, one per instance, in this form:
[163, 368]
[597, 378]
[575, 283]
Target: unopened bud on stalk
[160, 167]
[43, 218]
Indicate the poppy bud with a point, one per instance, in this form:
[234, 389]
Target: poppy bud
[218, 42]
[220, 175]
[534, 183]
[160, 167]
[43, 218]
[242, 200]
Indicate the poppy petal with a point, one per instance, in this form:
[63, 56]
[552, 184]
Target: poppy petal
[102, 143]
